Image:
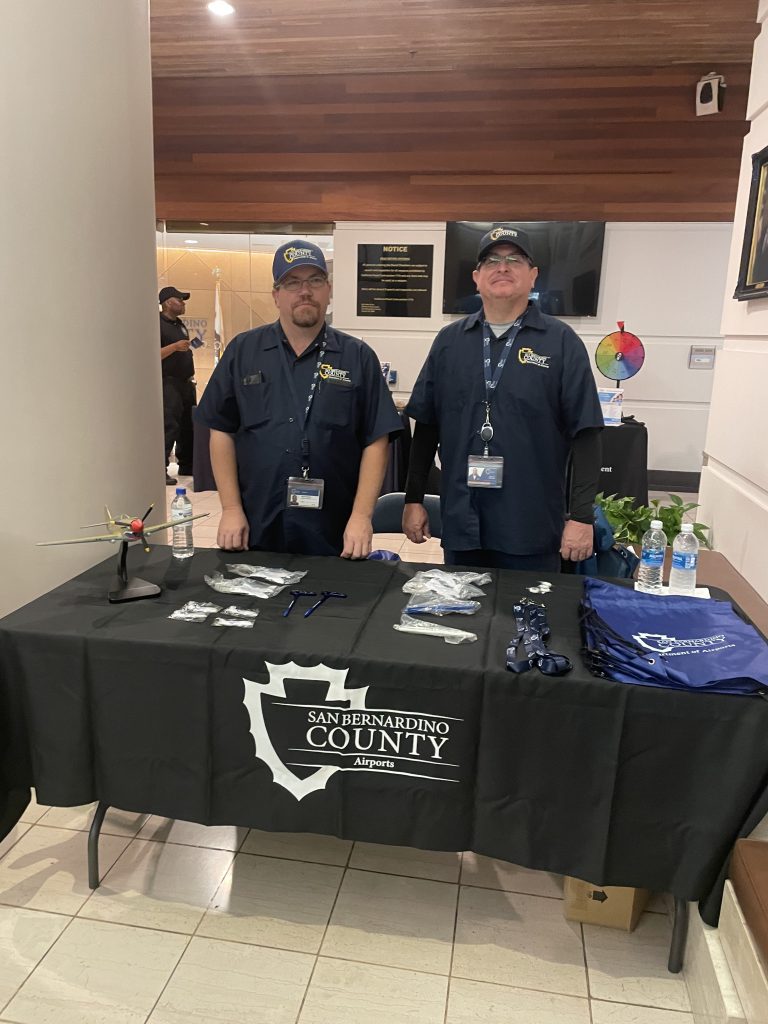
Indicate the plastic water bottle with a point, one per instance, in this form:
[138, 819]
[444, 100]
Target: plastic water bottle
[652, 559]
[685, 558]
[181, 507]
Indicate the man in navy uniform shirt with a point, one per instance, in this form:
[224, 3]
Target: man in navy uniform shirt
[300, 419]
[507, 393]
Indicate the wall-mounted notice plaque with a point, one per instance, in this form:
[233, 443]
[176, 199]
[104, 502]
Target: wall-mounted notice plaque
[394, 280]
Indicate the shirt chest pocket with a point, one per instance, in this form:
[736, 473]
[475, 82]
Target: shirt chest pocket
[530, 389]
[335, 405]
[254, 401]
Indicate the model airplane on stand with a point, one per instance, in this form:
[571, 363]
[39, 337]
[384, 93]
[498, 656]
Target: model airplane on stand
[126, 530]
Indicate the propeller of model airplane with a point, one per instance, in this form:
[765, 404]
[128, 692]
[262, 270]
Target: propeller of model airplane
[136, 526]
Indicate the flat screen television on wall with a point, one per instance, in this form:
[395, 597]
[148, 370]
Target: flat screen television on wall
[569, 255]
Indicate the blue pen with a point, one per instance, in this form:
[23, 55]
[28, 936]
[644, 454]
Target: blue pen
[324, 595]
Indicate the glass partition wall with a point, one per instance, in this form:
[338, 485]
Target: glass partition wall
[227, 269]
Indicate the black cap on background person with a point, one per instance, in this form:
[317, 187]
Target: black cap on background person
[170, 292]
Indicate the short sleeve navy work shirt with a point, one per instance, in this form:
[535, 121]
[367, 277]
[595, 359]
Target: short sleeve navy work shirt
[546, 395]
[248, 396]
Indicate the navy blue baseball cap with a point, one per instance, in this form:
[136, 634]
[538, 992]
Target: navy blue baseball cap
[505, 234]
[297, 253]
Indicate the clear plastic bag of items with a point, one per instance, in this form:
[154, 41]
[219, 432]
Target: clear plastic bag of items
[195, 611]
[235, 617]
[427, 602]
[438, 582]
[262, 572]
[233, 612]
[248, 588]
[409, 624]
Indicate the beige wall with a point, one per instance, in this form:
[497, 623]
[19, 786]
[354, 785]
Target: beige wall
[245, 287]
[80, 417]
[734, 487]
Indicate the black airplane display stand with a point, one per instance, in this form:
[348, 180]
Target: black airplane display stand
[130, 588]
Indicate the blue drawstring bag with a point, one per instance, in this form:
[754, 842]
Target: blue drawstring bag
[684, 643]
[609, 559]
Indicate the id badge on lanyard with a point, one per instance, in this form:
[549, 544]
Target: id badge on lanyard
[487, 470]
[304, 491]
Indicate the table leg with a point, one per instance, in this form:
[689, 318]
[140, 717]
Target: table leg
[93, 844]
[679, 936]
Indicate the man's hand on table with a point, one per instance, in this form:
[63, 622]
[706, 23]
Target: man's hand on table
[357, 536]
[233, 530]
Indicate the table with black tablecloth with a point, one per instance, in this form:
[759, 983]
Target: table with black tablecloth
[337, 724]
[624, 462]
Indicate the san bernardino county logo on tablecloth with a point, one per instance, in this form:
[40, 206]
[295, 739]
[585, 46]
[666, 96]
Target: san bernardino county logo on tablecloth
[329, 737]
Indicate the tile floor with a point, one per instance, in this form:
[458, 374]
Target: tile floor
[196, 925]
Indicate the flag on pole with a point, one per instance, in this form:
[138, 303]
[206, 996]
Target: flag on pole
[218, 324]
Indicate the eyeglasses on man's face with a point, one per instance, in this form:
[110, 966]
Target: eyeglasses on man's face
[295, 284]
[494, 260]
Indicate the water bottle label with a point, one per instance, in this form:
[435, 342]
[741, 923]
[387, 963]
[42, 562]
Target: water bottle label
[684, 560]
[652, 558]
[180, 513]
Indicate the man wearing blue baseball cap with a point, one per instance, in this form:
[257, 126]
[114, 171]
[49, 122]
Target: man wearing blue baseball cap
[300, 419]
[509, 396]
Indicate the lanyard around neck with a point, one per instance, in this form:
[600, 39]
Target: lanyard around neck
[302, 417]
[492, 378]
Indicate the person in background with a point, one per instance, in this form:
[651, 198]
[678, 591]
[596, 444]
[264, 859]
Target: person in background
[179, 393]
[300, 418]
[508, 394]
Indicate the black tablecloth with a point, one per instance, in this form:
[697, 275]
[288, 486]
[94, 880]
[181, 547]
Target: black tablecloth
[624, 464]
[616, 784]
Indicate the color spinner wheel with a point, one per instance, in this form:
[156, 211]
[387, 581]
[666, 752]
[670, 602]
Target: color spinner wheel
[620, 355]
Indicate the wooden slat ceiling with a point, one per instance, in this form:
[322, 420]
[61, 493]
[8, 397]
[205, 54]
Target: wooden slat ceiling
[325, 110]
[314, 37]
[581, 144]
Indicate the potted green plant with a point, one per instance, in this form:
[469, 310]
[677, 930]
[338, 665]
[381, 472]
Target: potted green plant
[630, 521]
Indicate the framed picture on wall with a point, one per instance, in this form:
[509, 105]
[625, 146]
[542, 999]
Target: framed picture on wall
[753, 272]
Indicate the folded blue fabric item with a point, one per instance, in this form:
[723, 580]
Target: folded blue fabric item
[683, 643]
[380, 555]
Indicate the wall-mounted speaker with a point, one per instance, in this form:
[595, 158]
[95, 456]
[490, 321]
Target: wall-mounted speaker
[710, 94]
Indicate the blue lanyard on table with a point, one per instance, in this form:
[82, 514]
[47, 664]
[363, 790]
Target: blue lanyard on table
[532, 632]
[303, 418]
[492, 378]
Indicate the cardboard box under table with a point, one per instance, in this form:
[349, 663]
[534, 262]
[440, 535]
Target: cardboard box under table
[611, 905]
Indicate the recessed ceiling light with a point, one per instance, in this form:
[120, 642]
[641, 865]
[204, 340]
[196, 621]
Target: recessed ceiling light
[221, 7]
[190, 241]
[204, 224]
